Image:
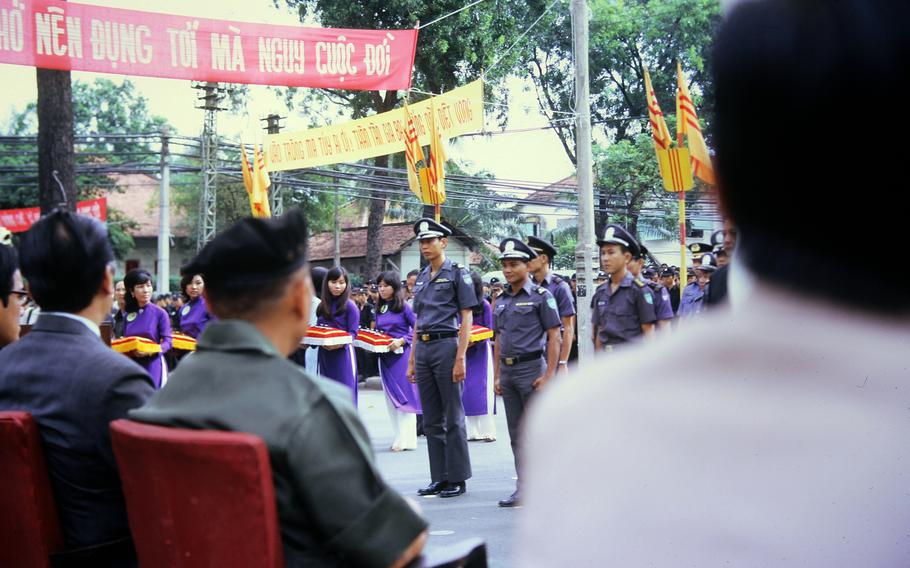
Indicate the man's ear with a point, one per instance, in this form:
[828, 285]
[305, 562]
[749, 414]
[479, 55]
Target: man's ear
[303, 295]
[107, 283]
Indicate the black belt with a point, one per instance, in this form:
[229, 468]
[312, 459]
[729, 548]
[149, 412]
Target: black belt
[427, 337]
[509, 361]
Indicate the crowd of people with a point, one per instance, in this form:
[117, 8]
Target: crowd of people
[770, 432]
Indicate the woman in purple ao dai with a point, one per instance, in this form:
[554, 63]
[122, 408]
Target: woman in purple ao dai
[338, 362]
[478, 397]
[194, 316]
[394, 317]
[145, 319]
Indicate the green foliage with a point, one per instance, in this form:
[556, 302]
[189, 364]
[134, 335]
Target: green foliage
[626, 174]
[98, 107]
[565, 239]
[625, 37]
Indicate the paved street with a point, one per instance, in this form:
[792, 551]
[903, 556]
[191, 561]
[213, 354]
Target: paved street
[474, 514]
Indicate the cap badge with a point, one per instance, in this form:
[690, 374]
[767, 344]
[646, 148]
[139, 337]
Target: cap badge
[424, 227]
[609, 233]
[510, 246]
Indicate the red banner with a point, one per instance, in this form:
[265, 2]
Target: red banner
[20, 220]
[80, 37]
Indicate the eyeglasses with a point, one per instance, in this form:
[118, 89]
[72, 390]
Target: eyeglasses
[22, 294]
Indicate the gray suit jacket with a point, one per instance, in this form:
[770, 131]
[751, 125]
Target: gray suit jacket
[74, 386]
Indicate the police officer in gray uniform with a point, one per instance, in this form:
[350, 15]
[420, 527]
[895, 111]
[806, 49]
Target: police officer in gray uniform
[623, 307]
[525, 321]
[556, 285]
[443, 290]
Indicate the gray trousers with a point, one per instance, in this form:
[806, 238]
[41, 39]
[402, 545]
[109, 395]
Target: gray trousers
[515, 382]
[443, 411]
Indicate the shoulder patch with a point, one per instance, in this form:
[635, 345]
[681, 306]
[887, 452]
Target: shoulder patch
[649, 298]
[551, 301]
[467, 279]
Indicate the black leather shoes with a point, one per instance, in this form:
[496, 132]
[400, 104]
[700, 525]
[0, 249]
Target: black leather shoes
[512, 501]
[454, 489]
[434, 488]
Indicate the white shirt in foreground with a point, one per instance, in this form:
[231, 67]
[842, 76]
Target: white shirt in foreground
[775, 436]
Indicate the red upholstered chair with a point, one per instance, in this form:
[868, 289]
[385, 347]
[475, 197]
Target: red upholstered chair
[198, 497]
[29, 527]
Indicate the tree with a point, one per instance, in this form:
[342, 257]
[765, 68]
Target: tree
[56, 159]
[625, 37]
[100, 107]
[450, 53]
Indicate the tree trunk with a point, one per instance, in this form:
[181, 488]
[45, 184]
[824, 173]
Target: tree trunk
[55, 141]
[374, 225]
[378, 201]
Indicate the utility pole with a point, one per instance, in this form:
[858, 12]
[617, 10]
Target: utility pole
[586, 251]
[164, 218]
[211, 95]
[274, 126]
[337, 232]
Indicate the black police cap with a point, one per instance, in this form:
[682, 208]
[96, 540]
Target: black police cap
[616, 234]
[253, 251]
[427, 228]
[541, 246]
[512, 248]
[698, 249]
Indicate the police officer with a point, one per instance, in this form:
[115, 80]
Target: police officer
[693, 300]
[623, 307]
[526, 320]
[443, 290]
[559, 288]
[662, 306]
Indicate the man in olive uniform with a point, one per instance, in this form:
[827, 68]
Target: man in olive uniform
[333, 506]
[559, 288]
[623, 307]
[526, 321]
[443, 291]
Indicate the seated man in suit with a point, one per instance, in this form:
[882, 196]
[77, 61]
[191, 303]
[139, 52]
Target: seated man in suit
[334, 508]
[71, 382]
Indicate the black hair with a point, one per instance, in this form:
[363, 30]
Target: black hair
[334, 273]
[185, 280]
[132, 279]
[65, 257]
[317, 275]
[9, 263]
[784, 64]
[477, 280]
[413, 273]
[393, 279]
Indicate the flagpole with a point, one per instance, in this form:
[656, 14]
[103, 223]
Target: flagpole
[683, 268]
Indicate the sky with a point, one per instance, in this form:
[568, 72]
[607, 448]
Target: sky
[535, 155]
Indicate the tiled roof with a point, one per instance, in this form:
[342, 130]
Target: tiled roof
[139, 201]
[555, 191]
[354, 241]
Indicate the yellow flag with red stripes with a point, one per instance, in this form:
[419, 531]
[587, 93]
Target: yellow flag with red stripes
[437, 169]
[418, 174]
[687, 124]
[247, 178]
[659, 131]
[261, 183]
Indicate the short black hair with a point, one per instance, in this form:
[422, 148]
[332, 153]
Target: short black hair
[132, 279]
[185, 280]
[477, 281]
[64, 257]
[808, 66]
[9, 263]
[393, 279]
[414, 272]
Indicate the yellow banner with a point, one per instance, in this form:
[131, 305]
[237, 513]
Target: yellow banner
[458, 112]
